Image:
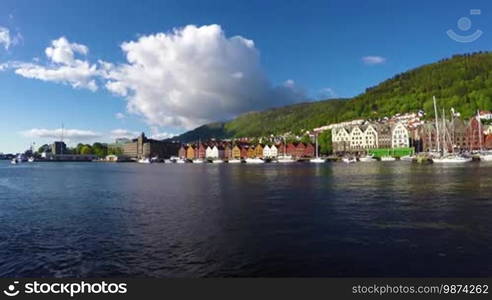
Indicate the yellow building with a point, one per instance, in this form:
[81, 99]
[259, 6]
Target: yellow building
[251, 152]
[236, 152]
[190, 152]
[259, 151]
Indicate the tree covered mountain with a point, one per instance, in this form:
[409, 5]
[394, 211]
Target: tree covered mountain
[463, 82]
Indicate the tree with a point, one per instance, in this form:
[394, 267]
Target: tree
[45, 148]
[99, 149]
[86, 150]
[325, 143]
[306, 139]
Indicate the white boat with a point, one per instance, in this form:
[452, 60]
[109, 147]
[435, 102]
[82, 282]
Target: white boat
[234, 161]
[317, 159]
[254, 161]
[368, 158]
[387, 158]
[198, 161]
[14, 161]
[167, 161]
[285, 159]
[349, 160]
[144, 161]
[217, 161]
[485, 156]
[181, 161]
[452, 159]
[30, 159]
[407, 158]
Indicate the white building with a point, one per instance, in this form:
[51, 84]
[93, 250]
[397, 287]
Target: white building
[212, 152]
[400, 137]
[357, 138]
[370, 138]
[270, 151]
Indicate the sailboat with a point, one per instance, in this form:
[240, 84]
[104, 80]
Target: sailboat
[317, 160]
[444, 157]
[285, 158]
[484, 155]
[367, 158]
[144, 160]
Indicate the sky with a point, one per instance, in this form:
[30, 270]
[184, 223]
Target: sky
[108, 69]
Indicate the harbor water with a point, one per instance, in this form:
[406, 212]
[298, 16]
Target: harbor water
[235, 220]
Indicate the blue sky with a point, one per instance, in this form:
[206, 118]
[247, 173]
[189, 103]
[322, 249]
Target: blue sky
[300, 50]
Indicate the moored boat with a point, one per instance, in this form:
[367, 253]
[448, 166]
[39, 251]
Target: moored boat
[349, 160]
[254, 161]
[387, 158]
[317, 160]
[234, 161]
[452, 159]
[368, 158]
[144, 161]
[285, 159]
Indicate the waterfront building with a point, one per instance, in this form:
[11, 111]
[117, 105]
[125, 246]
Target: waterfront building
[143, 147]
[474, 134]
[340, 139]
[291, 149]
[182, 151]
[244, 151]
[370, 140]
[259, 151]
[270, 151]
[210, 152]
[58, 148]
[227, 151]
[356, 138]
[309, 150]
[202, 151]
[236, 152]
[251, 152]
[299, 152]
[190, 152]
[399, 136]
[220, 150]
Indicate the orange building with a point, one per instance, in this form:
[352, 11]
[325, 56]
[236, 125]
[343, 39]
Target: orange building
[191, 152]
[236, 152]
[259, 150]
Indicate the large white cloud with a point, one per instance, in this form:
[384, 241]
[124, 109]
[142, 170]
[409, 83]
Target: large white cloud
[180, 79]
[194, 75]
[373, 60]
[64, 67]
[123, 133]
[56, 134]
[5, 38]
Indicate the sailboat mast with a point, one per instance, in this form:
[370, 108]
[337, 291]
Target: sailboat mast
[437, 124]
[316, 145]
[479, 130]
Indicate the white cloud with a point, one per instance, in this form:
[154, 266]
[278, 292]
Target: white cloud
[194, 75]
[5, 38]
[373, 60]
[56, 134]
[123, 133]
[64, 66]
[120, 116]
[156, 134]
[181, 79]
[326, 93]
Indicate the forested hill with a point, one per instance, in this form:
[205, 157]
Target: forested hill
[463, 82]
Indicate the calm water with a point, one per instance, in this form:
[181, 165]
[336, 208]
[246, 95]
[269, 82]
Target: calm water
[162, 220]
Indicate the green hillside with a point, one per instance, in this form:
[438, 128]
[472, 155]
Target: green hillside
[463, 82]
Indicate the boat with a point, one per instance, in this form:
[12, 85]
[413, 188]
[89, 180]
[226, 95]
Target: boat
[144, 161]
[452, 159]
[234, 161]
[387, 158]
[349, 160]
[198, 161]
[217, 161]
[285, 159]
[317, 160]
[485, 156]
[181, 161]
[14, 161]
[30, 159]
[254, 161]
[368, 158]
[407, 158]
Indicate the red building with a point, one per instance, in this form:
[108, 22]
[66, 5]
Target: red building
[244, 151]
[474, 134]
[201, 153]
[291, 149]
[300, 150]
[309, 150]
[182, 151]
